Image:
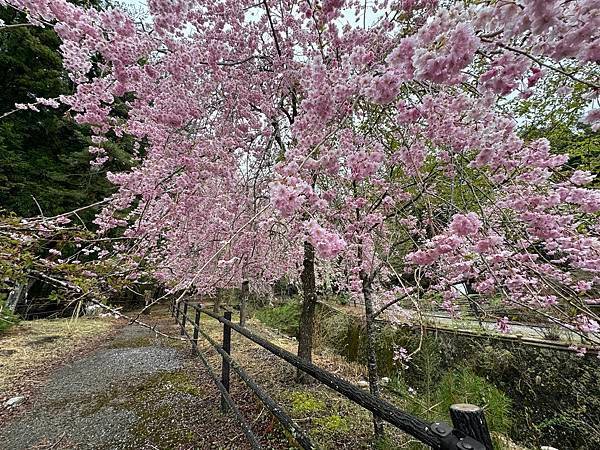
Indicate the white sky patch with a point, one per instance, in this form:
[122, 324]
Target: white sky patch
[348, 15]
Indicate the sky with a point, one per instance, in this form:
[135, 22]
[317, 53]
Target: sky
[348, 14]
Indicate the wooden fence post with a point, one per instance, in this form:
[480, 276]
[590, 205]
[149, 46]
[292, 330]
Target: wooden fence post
[196, 330]
[184, 318]
[470, 420]
[225, 367]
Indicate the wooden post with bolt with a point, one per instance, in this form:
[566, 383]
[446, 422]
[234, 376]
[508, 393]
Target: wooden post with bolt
[470, 420]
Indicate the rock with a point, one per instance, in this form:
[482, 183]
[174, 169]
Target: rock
[93, 310]
[363, 384]
[14, 402]
[385, 380]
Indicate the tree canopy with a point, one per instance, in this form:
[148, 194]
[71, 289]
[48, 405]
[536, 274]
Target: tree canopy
[389, 132]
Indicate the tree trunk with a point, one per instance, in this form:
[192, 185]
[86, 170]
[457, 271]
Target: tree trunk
[148, 299]
[244, 302]
[307, 315]
[218, 298]
[371, 351]
[470, 419]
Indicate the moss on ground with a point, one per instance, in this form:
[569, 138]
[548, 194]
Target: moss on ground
[157, 402]
[134, 342]
[179, 381]
[332, 421]
[304, 402]
[332, 424]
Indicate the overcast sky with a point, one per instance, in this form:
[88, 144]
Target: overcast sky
[348, 14]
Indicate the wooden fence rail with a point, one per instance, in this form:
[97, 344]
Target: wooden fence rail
[470, 430]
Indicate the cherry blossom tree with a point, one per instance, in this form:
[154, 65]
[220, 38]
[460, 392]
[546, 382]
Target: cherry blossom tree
[383, 137]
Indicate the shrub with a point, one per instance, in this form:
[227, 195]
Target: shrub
[284, 317]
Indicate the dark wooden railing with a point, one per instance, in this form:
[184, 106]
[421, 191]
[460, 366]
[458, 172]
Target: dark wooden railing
[470, 431]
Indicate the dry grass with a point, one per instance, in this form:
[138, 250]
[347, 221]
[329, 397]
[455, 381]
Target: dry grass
[37, 343]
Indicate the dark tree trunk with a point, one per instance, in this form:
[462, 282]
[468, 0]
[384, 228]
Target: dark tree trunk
[470, 419]
[371, 351]
[218, 299]
[307, 315]
[244, 302]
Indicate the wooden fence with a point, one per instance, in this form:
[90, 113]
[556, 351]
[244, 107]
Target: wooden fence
[470, 431]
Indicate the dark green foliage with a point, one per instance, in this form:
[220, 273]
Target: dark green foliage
[579, 142]
[42, 154]
[557, 118]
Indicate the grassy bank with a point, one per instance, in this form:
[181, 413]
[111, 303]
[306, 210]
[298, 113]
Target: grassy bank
[535, 396]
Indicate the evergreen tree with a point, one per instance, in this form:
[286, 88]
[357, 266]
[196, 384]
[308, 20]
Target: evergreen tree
[43, 155]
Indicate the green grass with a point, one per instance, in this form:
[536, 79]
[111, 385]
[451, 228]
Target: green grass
[284, 317]
[456, 387]
[466, 387]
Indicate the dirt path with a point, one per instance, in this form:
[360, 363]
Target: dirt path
[135, 392]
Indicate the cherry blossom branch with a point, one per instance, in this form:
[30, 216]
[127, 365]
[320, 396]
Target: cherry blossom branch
[273, 32]
[75, 211]
[9, 113]
[389, 305]
[542, 63]
[211, 259]
[15, 25]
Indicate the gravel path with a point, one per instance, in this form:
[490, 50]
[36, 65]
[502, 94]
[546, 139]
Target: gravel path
[137, 394]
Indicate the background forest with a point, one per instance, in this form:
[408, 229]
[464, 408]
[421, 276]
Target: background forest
[44, 155]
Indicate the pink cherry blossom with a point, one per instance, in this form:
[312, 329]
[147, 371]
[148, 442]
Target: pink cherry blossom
[465, 225]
